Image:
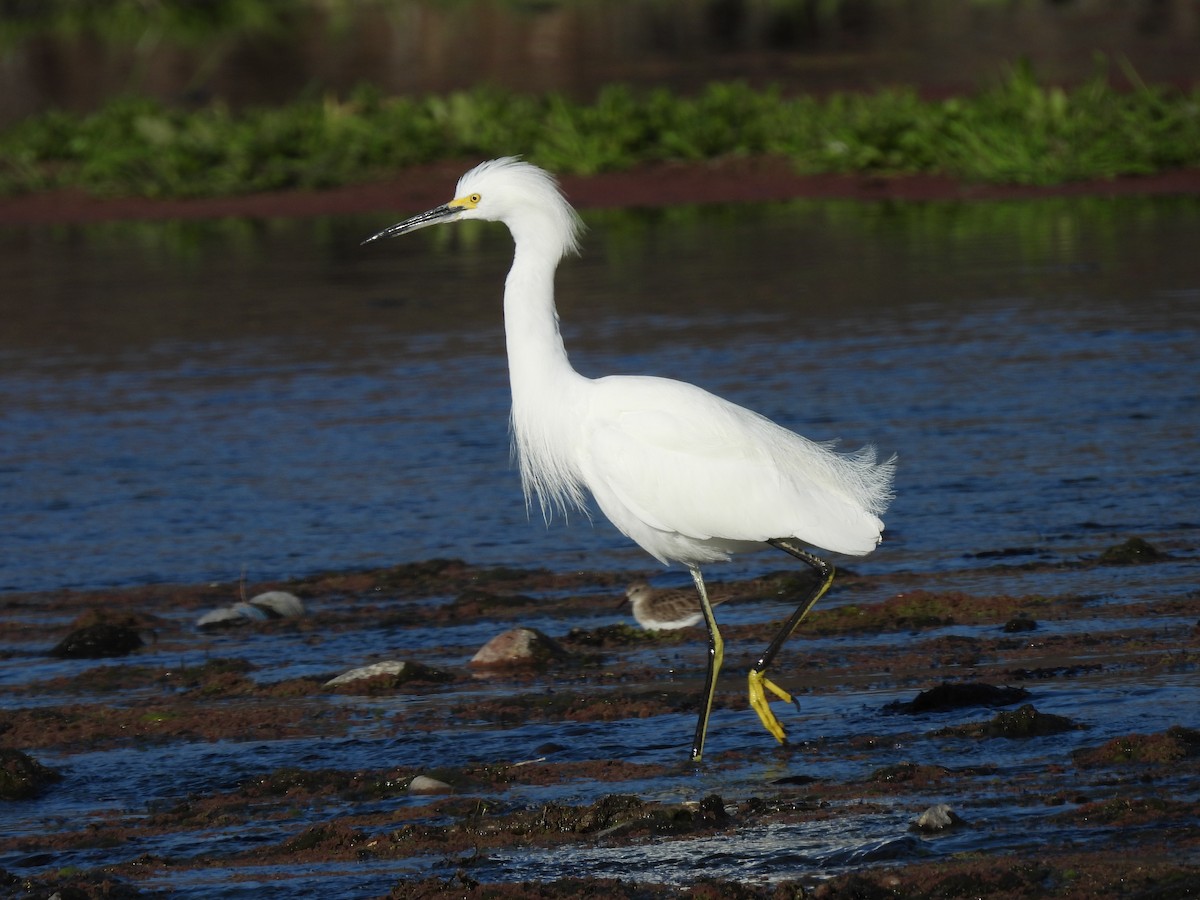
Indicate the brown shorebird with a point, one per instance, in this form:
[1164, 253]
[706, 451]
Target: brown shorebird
[666, 609]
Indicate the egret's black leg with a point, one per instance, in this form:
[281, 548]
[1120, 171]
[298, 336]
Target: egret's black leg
[825, 578]
[716, 655]
[759, 683]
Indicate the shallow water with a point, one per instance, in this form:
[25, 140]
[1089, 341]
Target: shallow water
[130, 783]
[186, 402]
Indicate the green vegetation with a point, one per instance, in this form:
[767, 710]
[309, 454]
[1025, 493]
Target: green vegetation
[1018, 131]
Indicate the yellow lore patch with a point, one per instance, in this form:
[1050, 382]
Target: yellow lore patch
[468, 202]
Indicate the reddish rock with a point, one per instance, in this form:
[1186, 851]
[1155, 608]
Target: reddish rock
[518, 647]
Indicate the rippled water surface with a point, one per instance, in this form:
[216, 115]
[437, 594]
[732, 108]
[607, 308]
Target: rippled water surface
[181, 402]
[184, 403]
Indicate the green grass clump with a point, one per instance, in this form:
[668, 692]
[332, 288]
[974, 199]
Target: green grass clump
[1018, 131]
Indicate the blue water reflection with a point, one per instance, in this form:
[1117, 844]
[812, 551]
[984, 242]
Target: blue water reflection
[182, 402]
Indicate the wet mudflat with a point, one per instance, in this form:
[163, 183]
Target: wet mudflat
[1060, 729]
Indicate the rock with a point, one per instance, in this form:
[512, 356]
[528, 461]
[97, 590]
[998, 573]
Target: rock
[518, 647]
[938, 818]
[1019, 623]
[1132, 552]
[104, 639]
[391, 667]
[252, 612]
[398, 671]
[279, 604]
[22, 777]
[954, 695]
[225, 617]
[261, 608]
[233, 616]
[423, 784]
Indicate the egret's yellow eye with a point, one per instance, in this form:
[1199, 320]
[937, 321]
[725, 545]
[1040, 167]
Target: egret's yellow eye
[474, 198]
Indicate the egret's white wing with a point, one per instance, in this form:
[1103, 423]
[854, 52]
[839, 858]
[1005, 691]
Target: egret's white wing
[684, 461]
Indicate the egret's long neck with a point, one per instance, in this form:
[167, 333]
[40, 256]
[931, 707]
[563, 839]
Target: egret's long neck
[545, 388]
[535, 345]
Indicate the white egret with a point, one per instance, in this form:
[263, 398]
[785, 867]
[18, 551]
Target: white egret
[687, 475]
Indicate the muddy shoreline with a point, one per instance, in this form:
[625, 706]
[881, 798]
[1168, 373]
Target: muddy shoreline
[750, 180]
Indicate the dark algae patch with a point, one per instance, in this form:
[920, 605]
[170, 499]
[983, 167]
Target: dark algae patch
[98, 641]
[1171, 746]
[22, 777]
[1020, 723]
[923, 609]
[1010, 878]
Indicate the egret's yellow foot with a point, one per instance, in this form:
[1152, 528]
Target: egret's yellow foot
[759, 684]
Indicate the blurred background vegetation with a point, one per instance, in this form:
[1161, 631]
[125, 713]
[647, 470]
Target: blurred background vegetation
[187, 98]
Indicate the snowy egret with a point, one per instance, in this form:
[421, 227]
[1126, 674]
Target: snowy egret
[687, 475]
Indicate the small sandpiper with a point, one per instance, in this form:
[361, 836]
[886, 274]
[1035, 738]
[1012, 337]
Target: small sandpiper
[667, 609]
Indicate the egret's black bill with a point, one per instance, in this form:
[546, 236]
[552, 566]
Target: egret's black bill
[442, 213]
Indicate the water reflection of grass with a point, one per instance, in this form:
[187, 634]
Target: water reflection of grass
[1018, 131]
[1052, 228]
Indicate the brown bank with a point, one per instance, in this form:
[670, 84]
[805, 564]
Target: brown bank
[752, 180]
